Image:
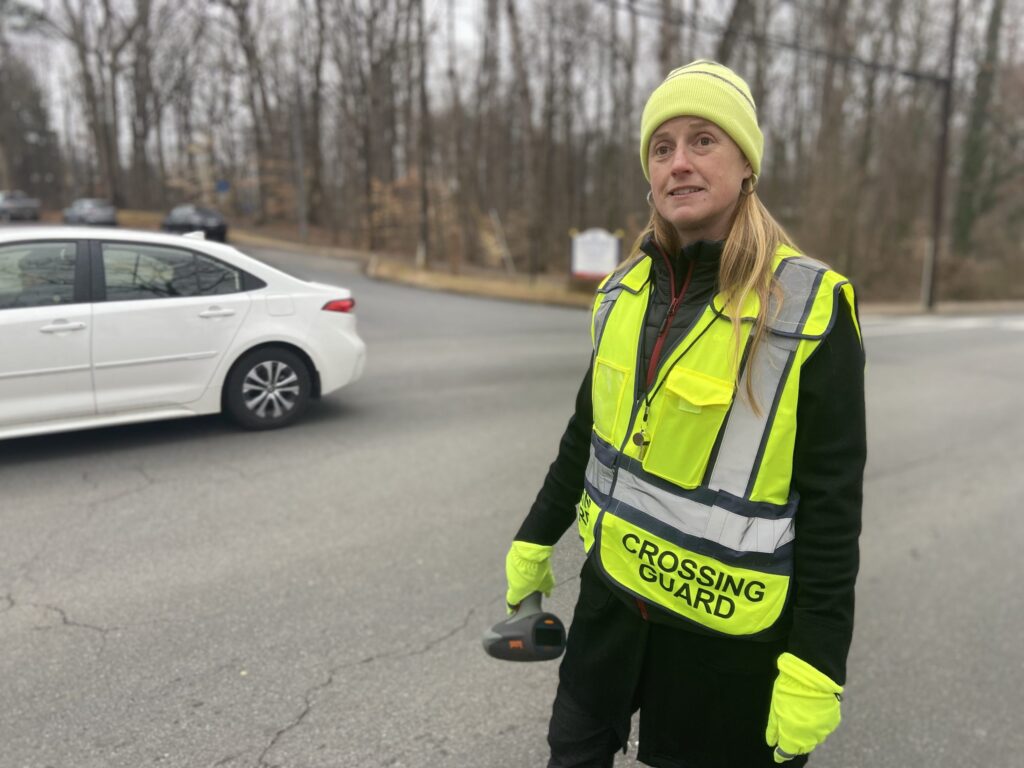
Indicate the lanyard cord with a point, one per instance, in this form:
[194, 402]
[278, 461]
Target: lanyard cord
[649, 396]
[673, 308]
[652, 365]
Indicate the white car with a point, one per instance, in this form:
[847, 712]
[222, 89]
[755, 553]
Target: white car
[102, 327]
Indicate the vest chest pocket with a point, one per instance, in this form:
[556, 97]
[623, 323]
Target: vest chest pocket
[686, 417]
[609, 388]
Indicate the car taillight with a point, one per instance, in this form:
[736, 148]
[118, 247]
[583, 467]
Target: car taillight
[340, 305]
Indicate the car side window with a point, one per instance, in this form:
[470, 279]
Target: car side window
[37, 274]
[215, 277]
[138, 271]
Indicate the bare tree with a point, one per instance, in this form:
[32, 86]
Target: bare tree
[314, 124]
[668, 38]
[424, 133]
[973, 193]
[486, 95]
[99, 42]
[326, 110]
[523, 113]
[257, 98]
[142, 101]
[740, 16]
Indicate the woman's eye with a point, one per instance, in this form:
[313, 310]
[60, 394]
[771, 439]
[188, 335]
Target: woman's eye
[661, 150]
[704, 141]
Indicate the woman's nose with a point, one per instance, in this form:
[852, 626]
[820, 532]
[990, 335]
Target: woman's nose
[681, 160]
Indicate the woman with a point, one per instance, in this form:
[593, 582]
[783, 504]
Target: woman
[714, 465]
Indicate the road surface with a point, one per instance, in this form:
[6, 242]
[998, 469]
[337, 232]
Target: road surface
[186, 594]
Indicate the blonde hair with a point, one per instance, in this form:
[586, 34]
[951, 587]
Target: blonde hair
[745, 268]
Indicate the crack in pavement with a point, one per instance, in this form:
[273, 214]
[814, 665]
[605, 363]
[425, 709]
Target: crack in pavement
[261, 761]
[67, 622]
[229, 467]
[405, 654]
[24, 569]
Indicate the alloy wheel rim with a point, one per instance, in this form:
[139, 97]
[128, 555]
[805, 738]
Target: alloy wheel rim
[271, 389]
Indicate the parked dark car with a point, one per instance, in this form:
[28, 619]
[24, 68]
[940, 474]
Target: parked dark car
[91, 210]
[195, 218]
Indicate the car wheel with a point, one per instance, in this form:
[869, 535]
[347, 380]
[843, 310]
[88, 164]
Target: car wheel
[267, 388]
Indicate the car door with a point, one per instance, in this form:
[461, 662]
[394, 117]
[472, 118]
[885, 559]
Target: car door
[162, 322]
[45, 328]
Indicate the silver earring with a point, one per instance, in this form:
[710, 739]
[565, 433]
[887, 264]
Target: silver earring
[648, 197]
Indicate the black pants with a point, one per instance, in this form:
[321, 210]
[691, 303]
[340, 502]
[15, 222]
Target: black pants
[703, 700]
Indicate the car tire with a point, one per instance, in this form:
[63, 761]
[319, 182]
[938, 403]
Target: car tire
[267, 388]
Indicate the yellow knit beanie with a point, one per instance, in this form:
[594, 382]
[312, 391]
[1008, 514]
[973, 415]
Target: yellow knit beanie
[709, 90]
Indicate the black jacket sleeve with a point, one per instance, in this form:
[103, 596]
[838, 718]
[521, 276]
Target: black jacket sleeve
[554, 509]
[828, 473]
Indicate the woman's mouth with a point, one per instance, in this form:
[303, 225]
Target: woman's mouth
[683, 191]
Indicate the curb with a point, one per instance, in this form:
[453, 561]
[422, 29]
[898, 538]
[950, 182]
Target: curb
[518, 289]
[245, 237]
[554, 292]
[508, 288]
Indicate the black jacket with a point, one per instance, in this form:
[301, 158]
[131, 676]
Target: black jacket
[828, 468]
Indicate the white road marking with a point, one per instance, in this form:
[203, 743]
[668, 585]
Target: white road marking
[917, 325]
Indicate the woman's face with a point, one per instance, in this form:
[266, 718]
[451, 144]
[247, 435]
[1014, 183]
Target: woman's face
[696, 173]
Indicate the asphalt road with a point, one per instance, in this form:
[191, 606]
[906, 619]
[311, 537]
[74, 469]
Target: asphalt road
[185, 594]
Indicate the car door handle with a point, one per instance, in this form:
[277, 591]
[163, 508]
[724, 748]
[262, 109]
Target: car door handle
[217, 312]
[62, 325]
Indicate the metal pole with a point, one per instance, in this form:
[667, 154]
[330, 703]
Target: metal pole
[423, 247]
[931, 262]
[298, 139]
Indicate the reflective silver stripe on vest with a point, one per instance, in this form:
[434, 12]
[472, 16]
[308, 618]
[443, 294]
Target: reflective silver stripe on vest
[601, 316]
[611, 294]
[740, 533]
[799, 279]
[598, 475]
[720, 526]
[746, 433]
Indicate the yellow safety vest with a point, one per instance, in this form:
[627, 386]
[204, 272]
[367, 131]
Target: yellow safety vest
[687, 501]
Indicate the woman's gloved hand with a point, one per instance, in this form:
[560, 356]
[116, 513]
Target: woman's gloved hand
[804, 710]
[528, 570]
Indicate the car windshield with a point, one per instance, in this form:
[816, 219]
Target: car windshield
[91, 203]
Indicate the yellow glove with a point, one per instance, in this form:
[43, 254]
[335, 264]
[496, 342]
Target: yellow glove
[804, 711]
[528, 570]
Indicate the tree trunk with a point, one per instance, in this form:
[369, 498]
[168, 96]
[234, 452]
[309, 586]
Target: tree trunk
[668, 39]
[316, 192]
[142, 88]
[740, 16]
[974, 157]
[462, 171]
[424, 138]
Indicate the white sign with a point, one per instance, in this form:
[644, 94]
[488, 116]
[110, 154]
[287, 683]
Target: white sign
[595, 253]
